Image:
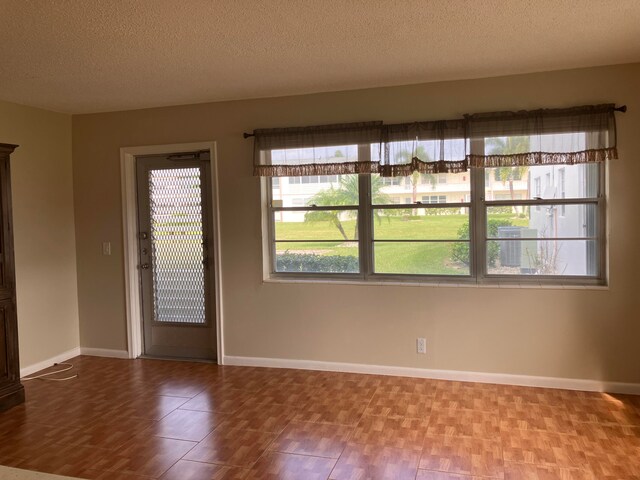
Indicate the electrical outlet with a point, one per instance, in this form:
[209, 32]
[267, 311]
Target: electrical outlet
[421, 345]
[106, 248]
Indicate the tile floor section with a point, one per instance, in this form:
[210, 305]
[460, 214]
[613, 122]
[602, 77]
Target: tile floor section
[141, 419]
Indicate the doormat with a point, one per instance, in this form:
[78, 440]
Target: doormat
[8, 473]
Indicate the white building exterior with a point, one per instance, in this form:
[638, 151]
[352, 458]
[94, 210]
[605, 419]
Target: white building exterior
[441, 188]
[572, 257]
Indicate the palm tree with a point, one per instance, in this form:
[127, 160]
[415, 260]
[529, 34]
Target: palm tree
[416, 177]
[346, 194]
[507, 146]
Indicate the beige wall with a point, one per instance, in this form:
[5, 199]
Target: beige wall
[42, 185]
[590, 334]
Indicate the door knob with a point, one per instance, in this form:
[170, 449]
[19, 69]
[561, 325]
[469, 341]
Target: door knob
[144, 266]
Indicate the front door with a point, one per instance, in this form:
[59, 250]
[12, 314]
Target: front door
[176, 255]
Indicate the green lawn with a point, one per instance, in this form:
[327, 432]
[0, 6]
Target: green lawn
[390, 257]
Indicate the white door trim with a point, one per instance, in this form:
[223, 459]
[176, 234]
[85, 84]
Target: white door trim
[130, 240]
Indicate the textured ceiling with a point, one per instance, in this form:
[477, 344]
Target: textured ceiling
[83, 56]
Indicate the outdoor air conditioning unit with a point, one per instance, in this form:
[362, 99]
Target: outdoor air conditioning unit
[517, 254]
[510, 252]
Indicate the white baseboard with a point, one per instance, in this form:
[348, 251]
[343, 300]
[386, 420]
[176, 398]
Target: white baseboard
[74, 352]
[36, 367]
[104, 352]
[456, 375]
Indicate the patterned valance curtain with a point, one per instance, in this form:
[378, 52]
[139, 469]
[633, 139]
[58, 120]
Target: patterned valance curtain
[320, 150]
[543, 137]
[425, 147]
[537, 137]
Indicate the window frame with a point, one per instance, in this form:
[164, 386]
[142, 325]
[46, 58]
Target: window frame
[562, 184]
[480, 204]
[477, 205]
[600, 238]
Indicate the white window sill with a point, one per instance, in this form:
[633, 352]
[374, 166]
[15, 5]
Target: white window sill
[510, 285]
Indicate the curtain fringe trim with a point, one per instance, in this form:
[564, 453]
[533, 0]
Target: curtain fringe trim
[315, 169]
[417, 165]
[531, 159]
[350, 168]
[442, 166]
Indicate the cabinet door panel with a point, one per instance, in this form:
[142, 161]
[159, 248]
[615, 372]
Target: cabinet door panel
[11, 391]
[6, 243]
[5, 378]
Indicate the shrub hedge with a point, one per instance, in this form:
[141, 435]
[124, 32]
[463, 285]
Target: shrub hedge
[310, 262]
[460, 251]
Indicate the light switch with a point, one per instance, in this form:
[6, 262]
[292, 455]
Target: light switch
[106, 248]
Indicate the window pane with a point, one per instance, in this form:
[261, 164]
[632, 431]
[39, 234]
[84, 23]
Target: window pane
[435, 188]
[422, 258]
[321, 190]
[548, 142]
[341, 225]
[318, 257]
[542, 257]
[302, 156]
[543, 181]
[542, 221]
[426, 150]
[421, 224]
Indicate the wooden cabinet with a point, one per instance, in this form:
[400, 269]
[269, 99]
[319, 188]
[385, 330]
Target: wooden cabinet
[11, 390]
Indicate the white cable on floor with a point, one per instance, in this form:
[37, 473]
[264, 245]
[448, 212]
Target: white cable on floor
[43, 376]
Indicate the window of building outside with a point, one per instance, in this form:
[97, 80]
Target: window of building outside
[392, 181]
[562, 190]
[537, 181]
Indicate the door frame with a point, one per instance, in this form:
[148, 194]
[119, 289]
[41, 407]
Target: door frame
[133, 295]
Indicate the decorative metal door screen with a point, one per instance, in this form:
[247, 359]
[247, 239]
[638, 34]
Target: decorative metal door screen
[177, 245]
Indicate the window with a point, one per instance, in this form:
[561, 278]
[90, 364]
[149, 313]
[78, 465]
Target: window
[300, 201]
[549, 233]
[313, 179]
[429, 238]
[537, 182]
[392, 181]
[562, 189]
[317, 239]
[434, 199]
[523, 228]
[494, 197]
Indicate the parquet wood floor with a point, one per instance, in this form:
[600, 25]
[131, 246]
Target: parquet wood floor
[143, 419]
